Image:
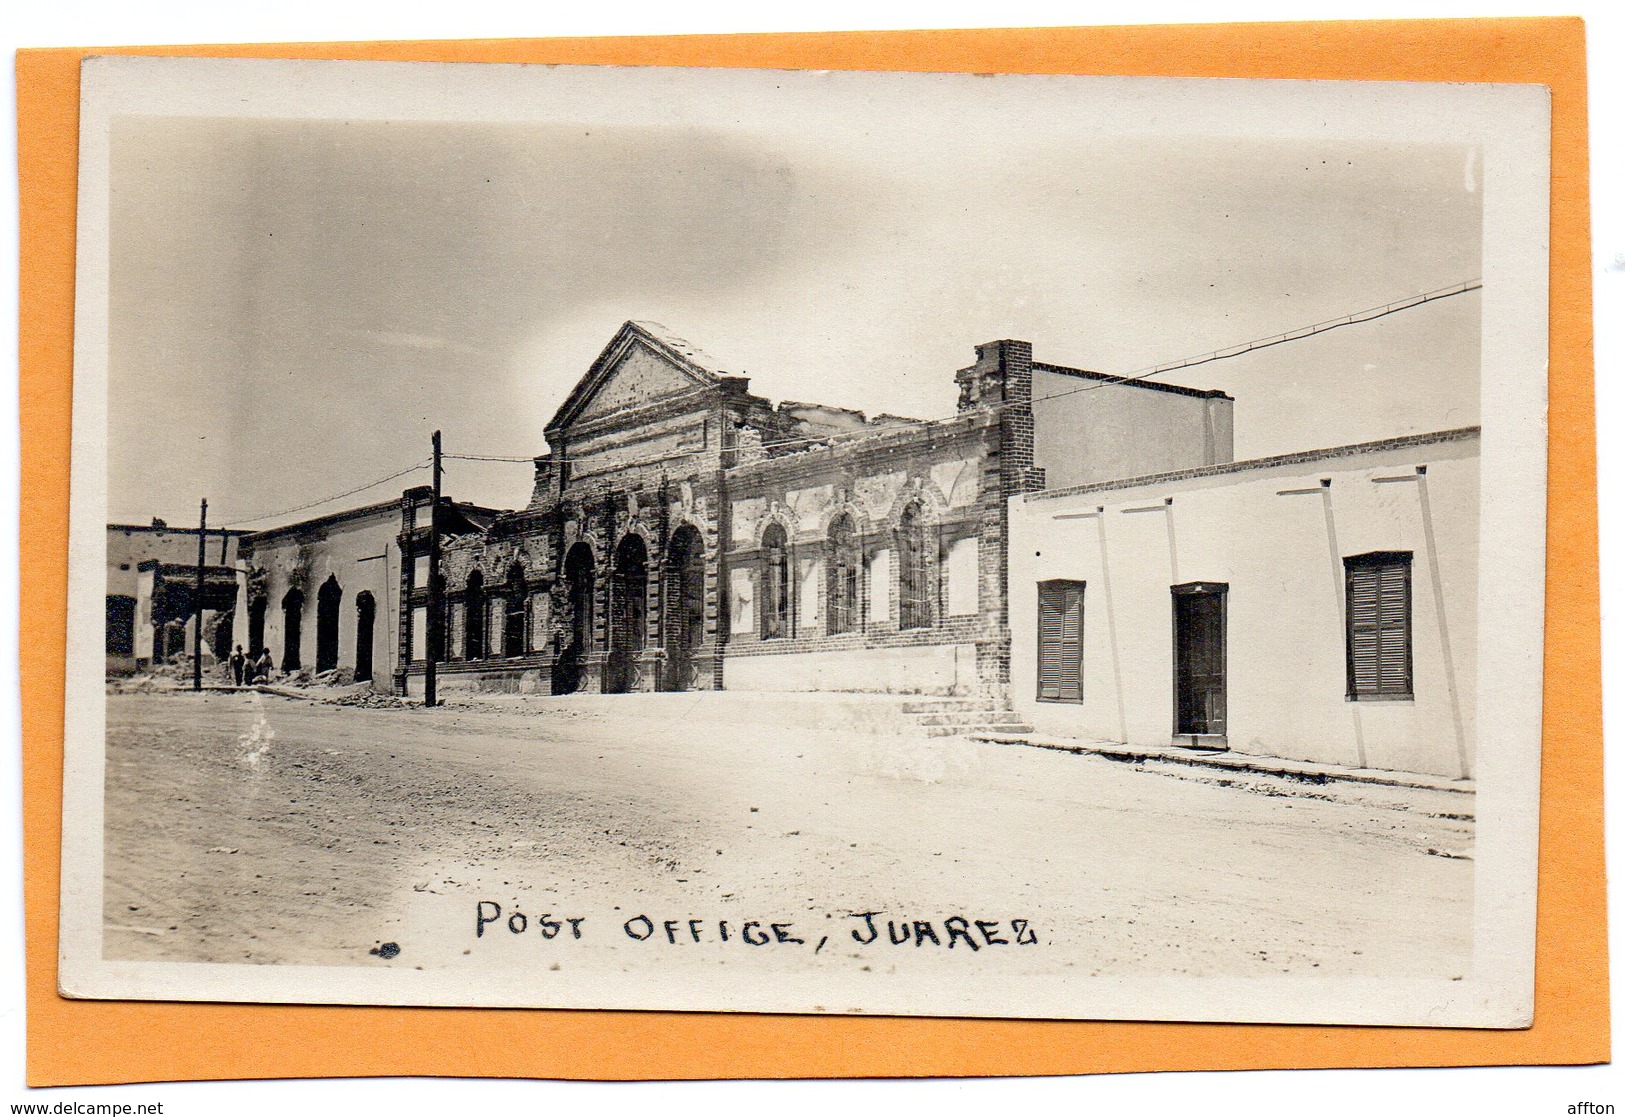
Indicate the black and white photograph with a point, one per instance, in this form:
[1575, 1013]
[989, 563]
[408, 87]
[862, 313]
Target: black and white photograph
[769, 541]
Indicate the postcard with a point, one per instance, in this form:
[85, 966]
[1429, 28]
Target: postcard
[807, 542]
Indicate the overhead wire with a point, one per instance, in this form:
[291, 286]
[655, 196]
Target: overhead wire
[1228, 352]
[1353, 318]
[424, 464]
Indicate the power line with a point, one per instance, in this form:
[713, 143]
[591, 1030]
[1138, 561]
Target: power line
[1351, 319]
[329, 499]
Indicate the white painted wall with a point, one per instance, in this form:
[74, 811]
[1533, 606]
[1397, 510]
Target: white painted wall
[1281, 552]
[964, 577]
[811, 598]
[926, 669]
[361, 554]
[880, 587]
[420, 633]
[743, 594]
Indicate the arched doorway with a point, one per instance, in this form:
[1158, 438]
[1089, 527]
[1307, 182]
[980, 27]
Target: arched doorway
[515, 599]
[327, 624]
[366, 612]
[256, 625]
[578, 587]
[293, 612]
[629, 616]
[684, 607]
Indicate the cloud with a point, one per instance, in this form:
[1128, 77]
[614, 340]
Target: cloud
[422, 342]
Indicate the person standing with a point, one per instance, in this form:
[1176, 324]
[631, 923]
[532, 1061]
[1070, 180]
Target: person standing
[238, 662]
[262, 666]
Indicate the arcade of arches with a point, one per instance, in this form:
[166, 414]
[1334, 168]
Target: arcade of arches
[683, 533]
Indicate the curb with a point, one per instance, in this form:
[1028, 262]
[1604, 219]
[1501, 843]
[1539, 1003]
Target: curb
[1299, 770]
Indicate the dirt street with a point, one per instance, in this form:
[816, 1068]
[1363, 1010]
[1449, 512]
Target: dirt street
[254, 828]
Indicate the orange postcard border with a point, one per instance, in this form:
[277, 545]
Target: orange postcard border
[73, 1042]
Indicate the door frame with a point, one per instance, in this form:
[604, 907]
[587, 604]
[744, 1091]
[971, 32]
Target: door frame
[1221, 591]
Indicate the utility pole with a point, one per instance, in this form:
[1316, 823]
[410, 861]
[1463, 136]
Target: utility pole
[197, 599]
[431, 641]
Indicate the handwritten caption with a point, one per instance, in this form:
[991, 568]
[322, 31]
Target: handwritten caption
[866, 928]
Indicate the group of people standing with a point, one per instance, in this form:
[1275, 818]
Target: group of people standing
[248, 670]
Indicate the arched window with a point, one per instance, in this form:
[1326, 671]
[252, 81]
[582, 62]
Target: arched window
[775, 583]
[293, 612]
[578, 599]
[366, 611]
[629, 616]
[913, 571]
[513, 626]
[684, 608]
[845, 568]
[474, 621]
[256, 625]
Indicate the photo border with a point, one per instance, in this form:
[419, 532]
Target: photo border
[1571, 980]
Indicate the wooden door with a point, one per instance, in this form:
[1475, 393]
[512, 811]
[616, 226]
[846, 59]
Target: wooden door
[1199, 659]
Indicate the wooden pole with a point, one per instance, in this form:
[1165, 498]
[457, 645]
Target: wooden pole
[197, 599]
[431, 640]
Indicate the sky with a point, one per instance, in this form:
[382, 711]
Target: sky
[296, 304]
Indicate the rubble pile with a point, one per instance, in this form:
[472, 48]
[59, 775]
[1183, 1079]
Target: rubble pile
[142, 684]
[372, 700]
[179, 668]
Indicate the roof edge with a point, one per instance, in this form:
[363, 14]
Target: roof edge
[392, 504]
[1154, 385]
[1301, 457]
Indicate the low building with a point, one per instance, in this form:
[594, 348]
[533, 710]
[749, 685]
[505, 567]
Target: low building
[323, 593]
[1321, 606]
[151, 579]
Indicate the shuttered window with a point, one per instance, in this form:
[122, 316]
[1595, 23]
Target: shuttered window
[1379, 625]
[1060, 641]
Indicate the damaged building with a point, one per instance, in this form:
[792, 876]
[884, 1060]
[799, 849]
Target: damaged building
[1093, 561]
[686, 534]
[321, 593]
[151, 583]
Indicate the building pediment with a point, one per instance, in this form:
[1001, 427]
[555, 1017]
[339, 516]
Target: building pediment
[639, 376]
[641, 365]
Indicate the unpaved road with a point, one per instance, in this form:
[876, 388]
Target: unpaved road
[253, 828]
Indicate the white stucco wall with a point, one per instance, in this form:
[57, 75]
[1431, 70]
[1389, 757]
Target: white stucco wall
[361, 554]
[963, 577]
[1278, 538]
[941, 669]
[880, 610]
[1086, 433]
